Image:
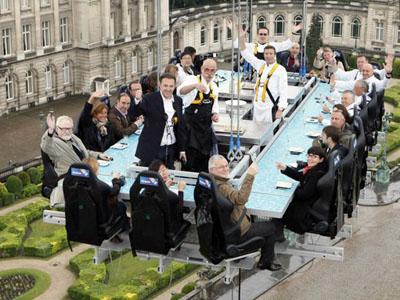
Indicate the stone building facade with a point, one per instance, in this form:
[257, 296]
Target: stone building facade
[371, 26]
[52, 48]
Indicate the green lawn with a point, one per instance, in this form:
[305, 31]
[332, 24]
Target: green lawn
[392, 96]
[42, 282]
[41, 229]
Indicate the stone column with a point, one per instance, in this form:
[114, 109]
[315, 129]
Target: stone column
[56, 12]
[38, 29]
[105, 16]
[141, 15]
[389, 43]
[124, 7]
[18, 30]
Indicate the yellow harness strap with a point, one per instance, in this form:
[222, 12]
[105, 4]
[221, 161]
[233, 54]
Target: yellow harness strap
[201, 95]
[255, 49]
[271, 72]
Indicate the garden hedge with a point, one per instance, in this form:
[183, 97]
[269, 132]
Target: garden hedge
[14, 185]
[47, 245]
[35, 175]
[24, 176]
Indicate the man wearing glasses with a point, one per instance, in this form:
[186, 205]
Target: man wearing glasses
[200, 99]
[64, 148]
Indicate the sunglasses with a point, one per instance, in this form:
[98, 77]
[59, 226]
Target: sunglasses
[263, 34]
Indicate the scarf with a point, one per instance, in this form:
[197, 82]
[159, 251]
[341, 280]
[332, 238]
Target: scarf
[101, 126]
[306, 169]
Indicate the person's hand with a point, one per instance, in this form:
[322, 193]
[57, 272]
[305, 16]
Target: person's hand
[320, 51]
[278, 114]
[182, 157]
[228, 23]
[139, 121]
[253, 169]
[332, 81]
[320, 118]
[51, 123]
[116, 175]
[298, 27]
[169, 182]
[389, 63]
[325, 108]
[139, 95]
[281, 166]
[181, 186]
[104, 156]
[201, 87]
[215, 118]
[95, 96]
[330, 100]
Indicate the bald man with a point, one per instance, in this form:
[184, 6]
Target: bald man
[368, 76]
[200, 99]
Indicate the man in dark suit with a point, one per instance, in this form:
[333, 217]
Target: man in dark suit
[120, 119]
[330, 138]
[163, 135]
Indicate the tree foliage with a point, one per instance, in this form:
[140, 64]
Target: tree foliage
[314, 41]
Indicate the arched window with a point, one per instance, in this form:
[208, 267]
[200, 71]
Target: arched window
[28, 82]
[203, 34]
[176, 41]
[215, 33]
[134, 62]
[117, 66]
[337, 27]
[379, 27]
[355, 28]
[66, 73]
[9, 88]
[228, 33]
[297, 20]
[321, 23]
[261, 22]
[48, 78]
[279, 25]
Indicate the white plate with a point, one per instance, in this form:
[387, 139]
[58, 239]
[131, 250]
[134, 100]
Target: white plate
[119, 146]
[295, 150]
[283, 184]
[311, 120]
[312, 134]
[241, 103]
[103, 163]
[293, 165]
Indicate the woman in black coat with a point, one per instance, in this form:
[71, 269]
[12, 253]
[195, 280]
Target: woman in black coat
[96, 132]
[296, 217]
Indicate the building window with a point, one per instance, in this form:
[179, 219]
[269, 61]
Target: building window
[379, 31]
[297, 20]
[279, 28]
[216, 33]
[4, 5]
[337, 27]
[355, 28]
[203, 33]
[44, 3]
[28, 82]
[321, 23]
[117, 66]
[228, 34]
[9, 88]
[150, 59]
[134, 62]
[398, 34]
[6, 41]
[46, 33]
[66, 73]
[26, 37]
[25, 3]
[261, 22]
[64, 30]
[48, 78]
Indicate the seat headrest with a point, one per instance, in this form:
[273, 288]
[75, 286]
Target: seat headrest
[334, 160]
[205, 181]
[150, 180]
[80, 171]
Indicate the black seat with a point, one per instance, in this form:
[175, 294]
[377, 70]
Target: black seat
[361, 159]
[327, 211]
[373, 109]
[380, 109]
[50, 177]
[349, 164]
[157, 215]
[87, 214]
[218, 234]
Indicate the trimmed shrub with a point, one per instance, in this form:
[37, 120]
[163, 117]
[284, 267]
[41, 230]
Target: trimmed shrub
[24, 176]
[35, 175]
[30, 190]
[46, 246]
[3, 188]
[14, 185]
[6, 199]
[177, 296]
[188, 288]
[396, 69]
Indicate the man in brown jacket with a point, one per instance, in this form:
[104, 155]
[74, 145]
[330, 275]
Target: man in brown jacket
[218, 167]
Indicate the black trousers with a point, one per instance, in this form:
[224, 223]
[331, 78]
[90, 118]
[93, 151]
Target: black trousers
[166, 154]
[196, 161]
[266, 230]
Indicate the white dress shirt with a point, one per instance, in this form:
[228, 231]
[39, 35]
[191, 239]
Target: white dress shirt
[349, 85]
[355, 74]
[278, 86]
[279, 46]
[182, 75]
[189, 97]
[168, 135]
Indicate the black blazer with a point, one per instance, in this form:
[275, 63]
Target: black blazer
[152, 108]
[91, 137]
[306, 192]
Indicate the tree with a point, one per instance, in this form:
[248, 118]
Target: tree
[313, 39]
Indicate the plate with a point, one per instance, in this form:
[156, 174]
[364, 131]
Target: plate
[312, 120]
[283, 185]
[295, 150]
[312, 134]
[293, 165]
[103, 163]
[235, 102]
[119, 146]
